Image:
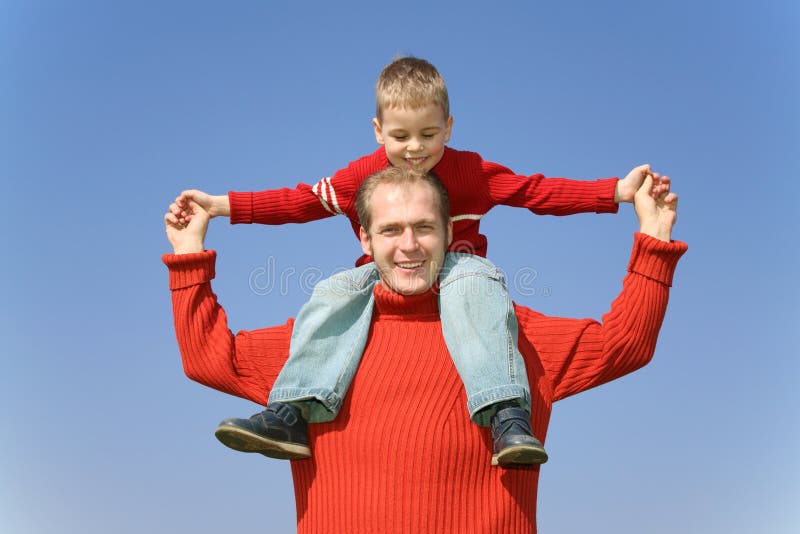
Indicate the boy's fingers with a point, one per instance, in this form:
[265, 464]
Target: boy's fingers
[647, 184]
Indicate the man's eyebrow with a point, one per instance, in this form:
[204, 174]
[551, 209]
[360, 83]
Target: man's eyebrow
[395, 224]
[385, 225]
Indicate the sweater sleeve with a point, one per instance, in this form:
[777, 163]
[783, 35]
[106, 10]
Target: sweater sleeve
[244, 364]
[578, 354]
[549, 196]
[333, 195]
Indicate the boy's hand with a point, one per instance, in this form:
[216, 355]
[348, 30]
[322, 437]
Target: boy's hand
[187, 237]
[628, 186]
[657, 213]
[213, 205]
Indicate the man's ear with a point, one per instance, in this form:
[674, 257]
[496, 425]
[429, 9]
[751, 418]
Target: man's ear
[376, 125]
[366, 245]
[449, 232]
[448, 129]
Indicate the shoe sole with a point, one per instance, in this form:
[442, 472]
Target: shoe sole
[520, 455]
[244, 441]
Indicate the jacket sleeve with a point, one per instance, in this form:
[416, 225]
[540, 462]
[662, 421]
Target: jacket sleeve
[330, 196]
[304, 203]
[574, 355]
[549, 196]
[244, 364]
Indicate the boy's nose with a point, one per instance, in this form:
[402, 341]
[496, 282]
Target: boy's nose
[415, 145]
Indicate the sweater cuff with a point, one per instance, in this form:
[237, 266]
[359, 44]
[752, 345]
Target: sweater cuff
[192, 269]
[241, 207]
[654, 258]
[605, 195]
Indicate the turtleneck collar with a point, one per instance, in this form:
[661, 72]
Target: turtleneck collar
[387, 302]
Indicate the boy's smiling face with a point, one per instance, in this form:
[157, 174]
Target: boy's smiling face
[413, 138]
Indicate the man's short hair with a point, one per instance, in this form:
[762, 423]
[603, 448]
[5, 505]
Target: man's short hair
[399, 176]
[410, 82]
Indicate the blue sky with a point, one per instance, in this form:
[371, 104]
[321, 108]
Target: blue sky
[108, 110]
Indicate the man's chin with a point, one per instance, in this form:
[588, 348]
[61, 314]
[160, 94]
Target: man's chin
[410, 288]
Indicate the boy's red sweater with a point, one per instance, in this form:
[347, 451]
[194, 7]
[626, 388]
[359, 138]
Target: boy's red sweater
[403, 456]
[475, 186]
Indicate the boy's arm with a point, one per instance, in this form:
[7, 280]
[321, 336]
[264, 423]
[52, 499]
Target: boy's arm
[564, 196]
[330, 196]
[273, 206]
[549, 196]
[304, 203]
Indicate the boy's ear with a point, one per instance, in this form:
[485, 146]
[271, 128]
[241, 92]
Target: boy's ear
[376, 125]
[366, 245]
[448, 129]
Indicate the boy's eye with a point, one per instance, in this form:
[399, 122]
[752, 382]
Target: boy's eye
[401, 137]
[428, 136]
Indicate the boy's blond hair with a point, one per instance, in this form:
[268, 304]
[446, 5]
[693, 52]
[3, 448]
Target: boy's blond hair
[410, 82]
[402, 177]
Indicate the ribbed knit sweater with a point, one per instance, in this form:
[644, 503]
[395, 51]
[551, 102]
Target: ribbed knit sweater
[402, 456]
[475, 186]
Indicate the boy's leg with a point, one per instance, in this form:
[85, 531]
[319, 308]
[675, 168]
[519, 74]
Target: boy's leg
[328, 339]
[480, 329]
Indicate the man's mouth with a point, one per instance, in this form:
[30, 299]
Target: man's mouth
[409, 264]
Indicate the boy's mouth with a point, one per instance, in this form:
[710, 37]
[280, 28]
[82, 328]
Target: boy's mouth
[416, 161]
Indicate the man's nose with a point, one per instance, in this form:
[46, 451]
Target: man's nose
[408, 240]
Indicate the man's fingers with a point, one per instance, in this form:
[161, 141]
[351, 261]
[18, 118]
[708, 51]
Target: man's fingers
[171, 220]
[671, 199]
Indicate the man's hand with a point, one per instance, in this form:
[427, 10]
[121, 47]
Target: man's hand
[627, 187]
[187, 237]
[657, 213]
[214, 205]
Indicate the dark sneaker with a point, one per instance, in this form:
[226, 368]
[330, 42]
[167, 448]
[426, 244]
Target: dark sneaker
[278, 432]
[513, 441]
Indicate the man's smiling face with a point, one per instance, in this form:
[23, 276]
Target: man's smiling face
[407, 237]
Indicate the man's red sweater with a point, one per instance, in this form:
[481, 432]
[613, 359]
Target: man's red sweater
[403, 456]
[475, 186]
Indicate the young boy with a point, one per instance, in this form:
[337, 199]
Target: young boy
[412, 125]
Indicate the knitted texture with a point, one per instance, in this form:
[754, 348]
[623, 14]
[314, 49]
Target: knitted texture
[402, 455]
[475, 186]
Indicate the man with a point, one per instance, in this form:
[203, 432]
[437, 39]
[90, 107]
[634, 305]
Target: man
[403, 456]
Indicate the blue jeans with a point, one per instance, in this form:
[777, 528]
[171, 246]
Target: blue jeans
[478, 324]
